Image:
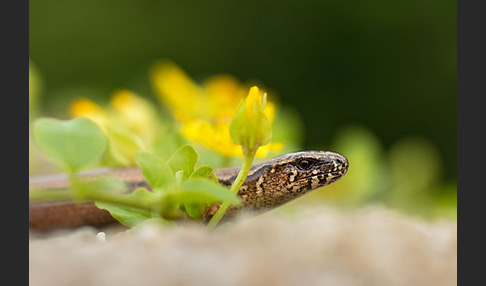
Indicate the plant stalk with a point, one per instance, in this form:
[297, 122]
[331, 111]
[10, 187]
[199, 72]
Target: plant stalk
[75, 194]
[240, 179]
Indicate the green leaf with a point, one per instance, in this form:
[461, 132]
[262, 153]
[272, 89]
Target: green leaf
[74, 144]
[195, 210]
[129, 216]
[123, 144]
[202, 172]
[185, 158]
[197, 193]
[156, 171]
[238, 132]
[205, 172]
[200, 190]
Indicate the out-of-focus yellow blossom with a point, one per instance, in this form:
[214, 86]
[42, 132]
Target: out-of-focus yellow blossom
[137, 114]
[87, 108]
[129, 122]
[206, 110]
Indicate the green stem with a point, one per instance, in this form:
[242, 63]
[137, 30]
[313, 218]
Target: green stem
[50, 195]
[55, 194]
[240, 179]
[99, 196]
[78, 195]
[112, 198]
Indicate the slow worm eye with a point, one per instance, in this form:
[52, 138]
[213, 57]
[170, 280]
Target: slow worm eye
[304, 164]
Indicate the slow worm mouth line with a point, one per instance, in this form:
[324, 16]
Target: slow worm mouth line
[340, 173]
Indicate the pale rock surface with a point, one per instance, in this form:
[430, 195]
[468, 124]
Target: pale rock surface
[321, 246]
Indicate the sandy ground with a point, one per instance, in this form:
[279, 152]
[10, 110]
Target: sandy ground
[321, 246]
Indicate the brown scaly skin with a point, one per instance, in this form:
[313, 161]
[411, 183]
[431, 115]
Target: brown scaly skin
[269, 184]
[279, 180]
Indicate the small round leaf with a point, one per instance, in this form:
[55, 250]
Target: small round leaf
[73, 144]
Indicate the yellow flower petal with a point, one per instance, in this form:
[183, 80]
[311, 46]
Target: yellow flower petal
[83, 106]
[223, 93]
[87, 108]
[253, 98]
[269, 111]
[174, 87]
[263, 151]
[122, 100]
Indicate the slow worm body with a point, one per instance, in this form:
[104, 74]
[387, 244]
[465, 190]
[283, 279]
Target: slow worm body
[269, 184]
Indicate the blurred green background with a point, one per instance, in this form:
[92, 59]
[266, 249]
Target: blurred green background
[373, 80]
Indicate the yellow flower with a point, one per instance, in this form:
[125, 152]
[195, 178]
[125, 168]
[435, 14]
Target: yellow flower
[129, 122]
[87, 108]
[217, 137]
[175, 88]
[136, 114]
[206, 110]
